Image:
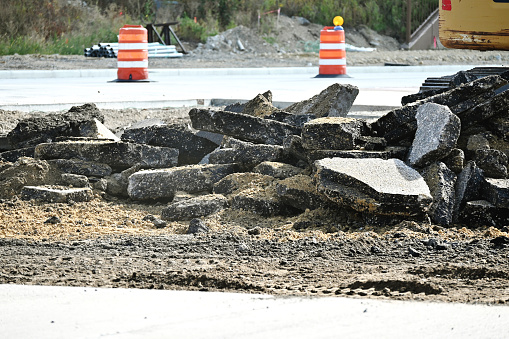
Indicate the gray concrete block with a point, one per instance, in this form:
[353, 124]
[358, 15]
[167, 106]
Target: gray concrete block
[194, 208]
[388, 153]
[376, 186]
[496, 191]
[118, 155]
[192, 147]
[277, 170]
[468, 185]
[334, 101]
[246, 153]
[242, 126]
[81, 167]
[437, 132]
[35, 130]
[300, 192]
[163, 183]
[482, 213]
[63, 195]
[441, 182]
[332, 133]
[493, 162]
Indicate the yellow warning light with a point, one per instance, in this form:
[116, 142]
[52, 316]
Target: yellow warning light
[338, 21]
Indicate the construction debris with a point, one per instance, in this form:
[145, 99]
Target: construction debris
[110, 50]
[441, 158]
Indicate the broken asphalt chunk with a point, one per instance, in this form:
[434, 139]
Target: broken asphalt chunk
[441, 181]
[49, 194]
[242, 126]
[163, 183]
[468, 185]
[277, 169]
[437, 132]
[35, 130]
[400, 122]
[194, 208]
[332, 133]
[246, 153]
[482, 213]
[192, 147]
[300, 192]
[388, 187]
[118, 155]
[81, 167]
[334, 101]
[496, 191]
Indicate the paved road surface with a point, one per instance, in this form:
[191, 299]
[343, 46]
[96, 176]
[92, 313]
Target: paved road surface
[74, 312]
[59, 90]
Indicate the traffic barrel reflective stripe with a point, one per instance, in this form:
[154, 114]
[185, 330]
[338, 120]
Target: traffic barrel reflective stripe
[132, 53]
[332, 52]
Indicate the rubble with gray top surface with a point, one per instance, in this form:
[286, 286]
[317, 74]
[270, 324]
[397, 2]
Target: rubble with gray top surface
[441, 157]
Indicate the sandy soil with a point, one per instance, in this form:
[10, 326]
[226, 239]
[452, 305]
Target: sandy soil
[111, 242]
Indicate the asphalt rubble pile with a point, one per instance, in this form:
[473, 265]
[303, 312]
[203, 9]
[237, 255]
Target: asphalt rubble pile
[439, 158]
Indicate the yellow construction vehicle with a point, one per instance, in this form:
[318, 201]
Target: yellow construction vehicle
[474, 24]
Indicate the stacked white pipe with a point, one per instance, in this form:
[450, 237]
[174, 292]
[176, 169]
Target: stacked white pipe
[155, 50]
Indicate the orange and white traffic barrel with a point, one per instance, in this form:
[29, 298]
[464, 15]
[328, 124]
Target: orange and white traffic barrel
[132, 53]
[332, 50]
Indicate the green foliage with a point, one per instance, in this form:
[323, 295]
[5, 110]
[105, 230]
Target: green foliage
[270, 39]
[191, 31]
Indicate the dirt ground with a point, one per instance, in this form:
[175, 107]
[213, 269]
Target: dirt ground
[110, 242]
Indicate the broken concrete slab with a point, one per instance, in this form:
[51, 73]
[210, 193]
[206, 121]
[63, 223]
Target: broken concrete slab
[332, 133]
[26, 172]
[260, 106]
[455, 160]
[437, 132]
[468, 185]
[388, 153]
[334, 101]
[116, 184]
[35, 130]
[81, 167]
[14, 155]
[493, 162]
[498, 105]
[293, 147]
[52, 195]
[95, 129]
[496, 191]
[118, 155]
[441, 182]
[477, 141]
[242, 126]
[482, 213]
[297, 120]
[163, 183]
[400, 122]
[192, 147]
[277, 170]
[246, 153]
[261, 200]
[377, 186]
[74, 180]
[237, 182]
[194, 208]
[300, 192]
